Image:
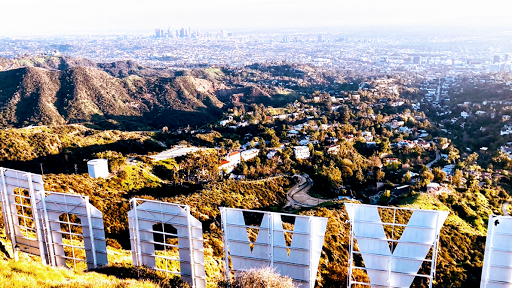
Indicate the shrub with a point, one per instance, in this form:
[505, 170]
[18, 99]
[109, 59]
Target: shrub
[263, 278]
[113, 243]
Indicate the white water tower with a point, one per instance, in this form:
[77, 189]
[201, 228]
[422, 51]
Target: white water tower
[98, 168]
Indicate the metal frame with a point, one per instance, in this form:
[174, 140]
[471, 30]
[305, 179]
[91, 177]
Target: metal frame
[270, 248]
[46, 207]
[91, 223]
[399, 267]
[12, 182]
[144, 215]
[497, 268]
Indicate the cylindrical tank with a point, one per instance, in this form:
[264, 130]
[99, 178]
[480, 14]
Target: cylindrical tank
[98, 168]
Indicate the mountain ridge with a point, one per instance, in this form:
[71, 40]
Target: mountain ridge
[77, 91]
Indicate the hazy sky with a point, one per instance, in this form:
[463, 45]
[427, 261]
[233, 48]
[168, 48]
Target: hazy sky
[46, 17]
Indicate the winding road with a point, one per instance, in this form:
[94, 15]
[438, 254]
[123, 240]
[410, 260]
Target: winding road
[298, 195]
[438, 156]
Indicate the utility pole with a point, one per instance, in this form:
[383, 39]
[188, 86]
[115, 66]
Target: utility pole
[41, 164]
[76, 168]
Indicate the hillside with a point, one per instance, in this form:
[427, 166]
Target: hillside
[43, 96]
[57, 90]
[59, 148]
[29, 273]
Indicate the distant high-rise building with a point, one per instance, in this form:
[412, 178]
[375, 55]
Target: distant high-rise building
[496, 59]
[506, 58]
[157, 33]
[494, 68]
[416, 60]
[183, 33]
[320, 38]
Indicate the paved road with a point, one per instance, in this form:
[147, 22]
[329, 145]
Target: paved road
[504, 208]
[438, 156]
[298, 195]
[438, 92]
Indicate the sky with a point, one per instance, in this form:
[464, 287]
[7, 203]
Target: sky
[54, 17]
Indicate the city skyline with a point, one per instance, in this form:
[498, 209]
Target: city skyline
[54, 17]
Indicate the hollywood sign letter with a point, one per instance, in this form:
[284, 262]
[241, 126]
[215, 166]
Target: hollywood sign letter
[255, 239]
[399, 267]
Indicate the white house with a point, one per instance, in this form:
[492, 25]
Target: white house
[333, 149]
[226, 166]
[249, 154]
[301, 152]
[234, 157]
[271, 154]
[367, 135]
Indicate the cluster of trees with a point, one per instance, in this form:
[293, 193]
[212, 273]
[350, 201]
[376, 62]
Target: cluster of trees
[202, 166]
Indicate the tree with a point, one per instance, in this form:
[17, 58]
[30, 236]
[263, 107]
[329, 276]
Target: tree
[379, 175]
[502, 160]
[333, 177]
[442, 142]
[262, 144]
[115, 159]
[385, 146]
[374, 161]
[457, 178]
[384, 197]
[453, 154]
[407, 177]
[426, 177]
[393, 166]
[346, 172]
[439, 174]
[275, 142]
[472, 181]
[472, 158]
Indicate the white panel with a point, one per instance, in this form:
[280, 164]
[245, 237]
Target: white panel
[270, 249]
[45, 212]
[397, 269]
[91, 222]
[497, 268]
[18, 212]
[146, 213]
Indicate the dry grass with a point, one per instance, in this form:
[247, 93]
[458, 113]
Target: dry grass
[33, 274]
[263, 278]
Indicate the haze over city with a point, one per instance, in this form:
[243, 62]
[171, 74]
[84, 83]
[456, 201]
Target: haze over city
[53, 17]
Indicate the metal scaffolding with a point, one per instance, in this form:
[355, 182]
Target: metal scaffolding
[393, 250]
[165, 237]
[40, 223]
[297, 257]
[497, 268]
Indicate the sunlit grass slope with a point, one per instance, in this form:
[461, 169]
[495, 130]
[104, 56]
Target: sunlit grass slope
[27, 273]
